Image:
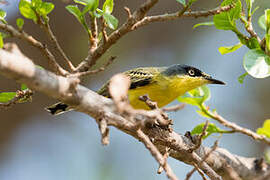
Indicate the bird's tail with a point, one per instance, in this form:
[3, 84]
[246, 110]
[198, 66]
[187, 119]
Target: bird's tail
[58, 108]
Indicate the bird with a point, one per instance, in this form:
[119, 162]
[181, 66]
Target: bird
[161, 84]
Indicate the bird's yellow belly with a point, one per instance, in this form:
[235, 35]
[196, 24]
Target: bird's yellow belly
[162, 96]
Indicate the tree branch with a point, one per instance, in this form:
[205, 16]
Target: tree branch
[95, 71]
[56, 44]
[94, 38]
[237, 128]
[116, 35]
[84, 100]
[174, 16]
[43, 48]
[138, 19]
[155, 152]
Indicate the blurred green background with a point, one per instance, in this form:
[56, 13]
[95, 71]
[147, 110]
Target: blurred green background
[35, 145]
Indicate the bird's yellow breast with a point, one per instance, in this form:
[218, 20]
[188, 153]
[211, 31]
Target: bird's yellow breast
[163, 90]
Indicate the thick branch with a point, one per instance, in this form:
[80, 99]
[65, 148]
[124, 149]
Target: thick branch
[84, 100]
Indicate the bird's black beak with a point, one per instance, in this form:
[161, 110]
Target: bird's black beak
[214, 81]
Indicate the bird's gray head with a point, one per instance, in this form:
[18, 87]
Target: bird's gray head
[189, 71]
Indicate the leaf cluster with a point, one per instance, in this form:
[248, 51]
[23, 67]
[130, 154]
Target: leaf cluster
[256, 60]
[197, 97]
[90, 7]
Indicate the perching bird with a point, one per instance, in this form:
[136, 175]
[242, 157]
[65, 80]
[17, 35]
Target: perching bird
[161, 84]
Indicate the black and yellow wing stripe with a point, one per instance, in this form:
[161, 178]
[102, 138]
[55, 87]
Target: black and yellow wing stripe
[139, 77]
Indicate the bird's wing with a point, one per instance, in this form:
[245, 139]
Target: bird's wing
[139, 77]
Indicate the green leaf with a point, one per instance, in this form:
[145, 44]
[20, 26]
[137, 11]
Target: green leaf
[249, 6]
[194, 92]
[256, 63]
[98, 13]
[203, 24]
[7, 96]
[212, 128]
[196, 96]
[253, 43]
[23, 87]
[206, 93]
[254, 10]
[82, 2]
[267, 20]
[20, 23]
[45, 8]
[91, 5]
[108, 6]
[75, 11]
[203, 113]
[229, 49]
[1, 41]
[110, 20]
[182, 2]
[192, 1]
[27, 10]
[78, 14]
[201, 93]
[265, 130]
[262, 22]
[195, 101]
[2, 16]
[226, 20]
[242, 78]
[36, 3]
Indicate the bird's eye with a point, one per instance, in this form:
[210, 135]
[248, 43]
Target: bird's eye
[191, 72]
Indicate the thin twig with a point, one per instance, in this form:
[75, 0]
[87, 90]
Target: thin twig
[22, 35]
[250, 30]
[173, 108]
[102, 68]
[239, 129]
[94, 37]
[104, 131]
[156, 154]
[56, 44]
[200, 171]
[202, 161]
[200, 137]
[151, 104]
[103, 30]
[165, 121]
[165, 156]
[177, 15]
[232, 173]
[21, 96]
